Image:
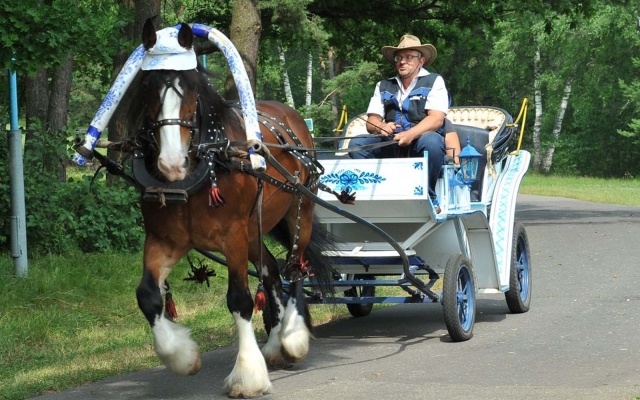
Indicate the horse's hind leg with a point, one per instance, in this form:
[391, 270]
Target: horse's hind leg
[172, 342]
[270, 276]
[249, 377]
[296, 324]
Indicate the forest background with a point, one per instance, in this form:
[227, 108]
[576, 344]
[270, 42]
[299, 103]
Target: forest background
[576, 62]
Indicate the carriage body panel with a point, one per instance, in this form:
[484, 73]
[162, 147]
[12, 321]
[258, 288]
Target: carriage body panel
[393, 196]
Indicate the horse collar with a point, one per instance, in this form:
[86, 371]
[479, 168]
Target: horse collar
[201, 139]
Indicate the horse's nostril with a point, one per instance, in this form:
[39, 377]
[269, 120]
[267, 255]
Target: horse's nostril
[186, 162]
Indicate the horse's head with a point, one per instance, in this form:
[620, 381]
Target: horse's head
[171, 96]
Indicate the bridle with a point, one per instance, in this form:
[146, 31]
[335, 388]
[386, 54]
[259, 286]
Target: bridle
[168, 78]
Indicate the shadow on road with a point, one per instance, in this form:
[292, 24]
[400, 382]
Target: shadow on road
[407, 323]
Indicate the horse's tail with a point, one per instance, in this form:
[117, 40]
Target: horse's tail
[321, 241]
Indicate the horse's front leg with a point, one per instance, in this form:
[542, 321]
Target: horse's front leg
[249, 377]
[172, 342]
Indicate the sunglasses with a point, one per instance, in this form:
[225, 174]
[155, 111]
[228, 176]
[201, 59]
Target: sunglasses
[407, 58]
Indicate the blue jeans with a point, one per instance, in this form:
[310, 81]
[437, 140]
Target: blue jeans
[432, 142]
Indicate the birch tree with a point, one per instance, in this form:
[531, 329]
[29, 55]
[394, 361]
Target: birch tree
[285, 78]
[309, 81]
[557, 127]
[555, 58]
[537, 101]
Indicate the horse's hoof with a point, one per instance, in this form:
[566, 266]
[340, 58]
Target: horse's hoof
[295, 345]
[278, 362]
[196, 366]
[240, 394]
[290, 358]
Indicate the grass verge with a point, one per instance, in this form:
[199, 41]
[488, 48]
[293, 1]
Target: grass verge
[75, 319]
[596, 190]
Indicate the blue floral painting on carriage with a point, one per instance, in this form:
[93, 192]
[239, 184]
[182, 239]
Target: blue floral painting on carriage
[351, 180]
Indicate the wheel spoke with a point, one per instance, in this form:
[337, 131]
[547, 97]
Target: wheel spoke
[521, 271]
[463, 296]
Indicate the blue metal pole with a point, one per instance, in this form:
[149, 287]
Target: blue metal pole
[18, 219]
[204, 61]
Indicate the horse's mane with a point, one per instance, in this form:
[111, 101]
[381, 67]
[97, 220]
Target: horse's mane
[211, 104]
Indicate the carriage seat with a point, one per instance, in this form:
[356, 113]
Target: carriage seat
[488, 133]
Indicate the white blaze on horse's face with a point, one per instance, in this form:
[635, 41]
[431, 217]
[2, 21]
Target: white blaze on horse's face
[172, 161]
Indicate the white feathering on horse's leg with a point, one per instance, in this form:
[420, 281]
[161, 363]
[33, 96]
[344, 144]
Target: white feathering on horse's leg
[175, 348]
[294, 335]
[272, 350]
[249, 377]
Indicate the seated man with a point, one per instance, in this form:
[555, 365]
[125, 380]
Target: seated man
[409, 109]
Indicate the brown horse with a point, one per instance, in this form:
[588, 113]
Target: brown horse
[187, 129]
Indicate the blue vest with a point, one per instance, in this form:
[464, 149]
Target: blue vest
[413, 106]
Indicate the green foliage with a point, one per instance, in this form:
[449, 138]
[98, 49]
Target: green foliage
[91, 81]
[290, 18]
[216, 13]
[322, 118]
[65, 216]
[39, 34]
[631, 92]
[355, 85]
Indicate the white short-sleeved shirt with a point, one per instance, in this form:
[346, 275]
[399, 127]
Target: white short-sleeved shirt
[438, 98]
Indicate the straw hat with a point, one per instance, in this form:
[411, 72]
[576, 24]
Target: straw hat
[410, 42]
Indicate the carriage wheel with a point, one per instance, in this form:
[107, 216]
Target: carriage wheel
[519, 294]
[459, 298]
[361, 310]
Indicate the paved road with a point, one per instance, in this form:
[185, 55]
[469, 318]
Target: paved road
[580, 340]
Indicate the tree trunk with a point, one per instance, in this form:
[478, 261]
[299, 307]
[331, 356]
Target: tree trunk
[557, 126]
[537, 125]
[334, 97]
[245, 32]
[59, 108]
[309, 80]
[60, 93]
[36, 104]
[285, 78]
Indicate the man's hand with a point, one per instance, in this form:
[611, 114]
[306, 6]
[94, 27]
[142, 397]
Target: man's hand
[388, 129]
[404, 138]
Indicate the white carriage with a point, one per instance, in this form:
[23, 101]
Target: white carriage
[397, 239]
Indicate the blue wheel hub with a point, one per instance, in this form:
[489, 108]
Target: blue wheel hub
[522, 267]
[465, 299]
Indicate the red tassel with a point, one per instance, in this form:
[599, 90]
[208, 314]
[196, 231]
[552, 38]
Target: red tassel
[260, 301]
[215, 198]
[170, 307]
[305, 268]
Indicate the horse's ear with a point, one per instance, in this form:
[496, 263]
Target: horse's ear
[185, 36]
[149, 34]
